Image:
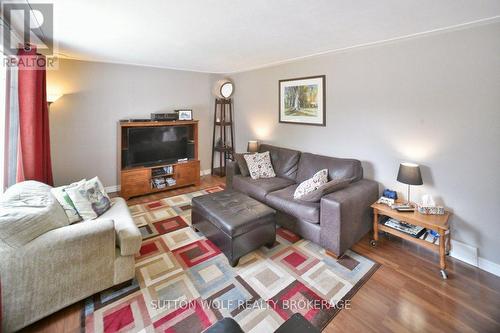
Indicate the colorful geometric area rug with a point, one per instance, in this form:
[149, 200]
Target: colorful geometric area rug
[185, 284]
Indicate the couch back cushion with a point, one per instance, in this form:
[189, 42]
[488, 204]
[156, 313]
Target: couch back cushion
[338, 168]
[285, 161]
[28, 210]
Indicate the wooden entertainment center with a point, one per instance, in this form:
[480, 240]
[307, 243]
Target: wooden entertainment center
[140, 180]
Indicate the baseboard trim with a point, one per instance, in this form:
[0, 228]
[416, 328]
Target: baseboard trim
[468, 254]
[112, 188]
[464, 252]
[489, 266]
[116, 188]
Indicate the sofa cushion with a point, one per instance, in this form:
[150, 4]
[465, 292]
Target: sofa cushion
[259, 188]
[66, 202]
[242, 164]
[283, 201]
[338, 168]
[331, 186]
[28, 210]
[285, 161]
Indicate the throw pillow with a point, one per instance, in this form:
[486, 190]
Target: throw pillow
[259, 165]
[311, 184]
[242, 164]
[90, 199]
[65, 201]
[330, 187]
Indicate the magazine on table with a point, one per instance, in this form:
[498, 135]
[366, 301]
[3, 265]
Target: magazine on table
[409, 229]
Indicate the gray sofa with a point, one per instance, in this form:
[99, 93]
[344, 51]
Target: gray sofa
[47, 264]
[337, 221]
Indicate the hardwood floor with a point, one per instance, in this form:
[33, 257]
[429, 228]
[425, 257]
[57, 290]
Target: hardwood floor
[406, 294]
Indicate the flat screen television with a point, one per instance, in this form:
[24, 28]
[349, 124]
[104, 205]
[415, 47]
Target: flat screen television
[156, 145]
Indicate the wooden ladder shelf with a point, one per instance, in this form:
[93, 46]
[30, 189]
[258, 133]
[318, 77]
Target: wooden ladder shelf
[223, 136]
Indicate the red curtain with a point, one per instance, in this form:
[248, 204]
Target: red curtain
[34, 140]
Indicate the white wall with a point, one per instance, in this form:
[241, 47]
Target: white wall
[434, 100]
[84, 121]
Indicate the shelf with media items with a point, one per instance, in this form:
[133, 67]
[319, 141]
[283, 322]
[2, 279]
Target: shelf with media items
[158, 156]
[401, 226]
[409, 229]
[429, 231]
[163, 177]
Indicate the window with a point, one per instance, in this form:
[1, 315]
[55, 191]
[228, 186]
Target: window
[3, 124]
[9, 125]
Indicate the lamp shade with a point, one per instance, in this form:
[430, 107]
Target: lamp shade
[409, 173]
[253, 146]
[223, 88]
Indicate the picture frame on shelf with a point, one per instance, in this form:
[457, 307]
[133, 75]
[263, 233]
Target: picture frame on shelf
[184, 114]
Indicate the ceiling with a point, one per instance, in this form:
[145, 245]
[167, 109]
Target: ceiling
[224, 36]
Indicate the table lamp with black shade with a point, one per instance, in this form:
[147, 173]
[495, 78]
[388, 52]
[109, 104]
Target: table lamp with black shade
[409, 173]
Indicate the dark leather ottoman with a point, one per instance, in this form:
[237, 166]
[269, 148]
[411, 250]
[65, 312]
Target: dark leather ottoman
[297, 324]
[234, 222]
[225, 325]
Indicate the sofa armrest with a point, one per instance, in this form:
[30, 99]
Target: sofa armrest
[78, 234]
[232, 169]
[345, 215]
[128, 236]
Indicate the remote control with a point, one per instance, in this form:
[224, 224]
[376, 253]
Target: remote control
[405, 209]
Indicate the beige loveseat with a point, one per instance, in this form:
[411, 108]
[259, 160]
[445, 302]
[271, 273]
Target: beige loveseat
[47, 264]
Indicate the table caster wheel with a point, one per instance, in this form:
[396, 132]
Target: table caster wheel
[373, 243]
[443, 274]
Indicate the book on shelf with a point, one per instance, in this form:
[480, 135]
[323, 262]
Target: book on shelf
[170, 181]
[163, 171]
[158, 183]
[430, 236]
[162, 182]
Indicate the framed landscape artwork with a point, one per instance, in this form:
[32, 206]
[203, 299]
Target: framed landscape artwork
[302, 101]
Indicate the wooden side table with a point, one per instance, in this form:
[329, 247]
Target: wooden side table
[438, 223]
